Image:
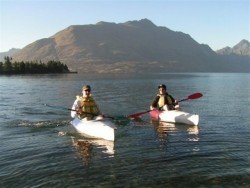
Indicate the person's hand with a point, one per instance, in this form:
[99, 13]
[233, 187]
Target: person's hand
[152, 108]
[78, 111]
[176, 106]
[99, 117]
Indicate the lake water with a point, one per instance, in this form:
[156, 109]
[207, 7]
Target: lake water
[39, 148]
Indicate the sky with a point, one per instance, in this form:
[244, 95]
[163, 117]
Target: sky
[217, 23]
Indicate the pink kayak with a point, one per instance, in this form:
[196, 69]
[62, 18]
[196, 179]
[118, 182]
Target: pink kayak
[175, 116]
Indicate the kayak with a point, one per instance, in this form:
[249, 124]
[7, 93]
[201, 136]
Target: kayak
[175, 116]
[103, 129]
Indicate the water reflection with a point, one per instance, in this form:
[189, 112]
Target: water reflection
[106, 145]
[165, 128]
[86, 146]
[84, 149]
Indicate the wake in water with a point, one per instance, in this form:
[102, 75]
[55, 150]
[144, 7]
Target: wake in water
[84, 147]
[41, 124]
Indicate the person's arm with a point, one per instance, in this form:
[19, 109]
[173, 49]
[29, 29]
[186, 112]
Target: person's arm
[172, 99]
[175, 103]
[98, 112]
[74, 107]
[154, 103]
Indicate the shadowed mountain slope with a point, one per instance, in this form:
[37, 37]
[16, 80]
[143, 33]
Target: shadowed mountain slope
[130, 47]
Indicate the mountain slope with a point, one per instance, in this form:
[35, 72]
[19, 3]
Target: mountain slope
[134, 46]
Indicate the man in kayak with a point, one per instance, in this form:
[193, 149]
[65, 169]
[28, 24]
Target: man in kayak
[86, 106]
[163, 100]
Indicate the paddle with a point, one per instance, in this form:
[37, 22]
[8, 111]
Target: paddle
[63, 108]
[59, 107]
[193, 96]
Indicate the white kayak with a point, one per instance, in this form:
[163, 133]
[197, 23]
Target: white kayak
[103, 129]
[175, 116]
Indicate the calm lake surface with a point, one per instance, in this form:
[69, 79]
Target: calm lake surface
[39, 148]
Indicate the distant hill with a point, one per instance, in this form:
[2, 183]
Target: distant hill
[130, 47]
[242, 48]
[11, 52]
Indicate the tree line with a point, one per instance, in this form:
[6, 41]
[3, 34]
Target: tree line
[31, 67]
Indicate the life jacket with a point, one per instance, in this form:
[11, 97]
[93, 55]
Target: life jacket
[164, 99]
[88, 105]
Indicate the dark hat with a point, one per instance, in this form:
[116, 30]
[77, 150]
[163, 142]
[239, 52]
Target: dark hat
[86, 87]
[163, 86]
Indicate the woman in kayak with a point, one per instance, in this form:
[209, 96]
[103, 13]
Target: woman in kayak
[86, 106]
[163, 100]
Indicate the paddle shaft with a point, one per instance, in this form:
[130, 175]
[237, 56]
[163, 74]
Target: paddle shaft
[59, 107]
[182, 100]
[63, 108]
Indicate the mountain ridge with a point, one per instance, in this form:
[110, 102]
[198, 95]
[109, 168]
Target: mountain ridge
[130, 47]
[10, 53]
[242, 48]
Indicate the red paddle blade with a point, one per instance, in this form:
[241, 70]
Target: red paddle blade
[195, 96]
[138, 114]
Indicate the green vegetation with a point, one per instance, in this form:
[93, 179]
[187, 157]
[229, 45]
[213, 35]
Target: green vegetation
[30, 67]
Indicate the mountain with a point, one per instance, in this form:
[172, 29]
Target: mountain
[242, 48]
[130, 47]
[10, 53]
